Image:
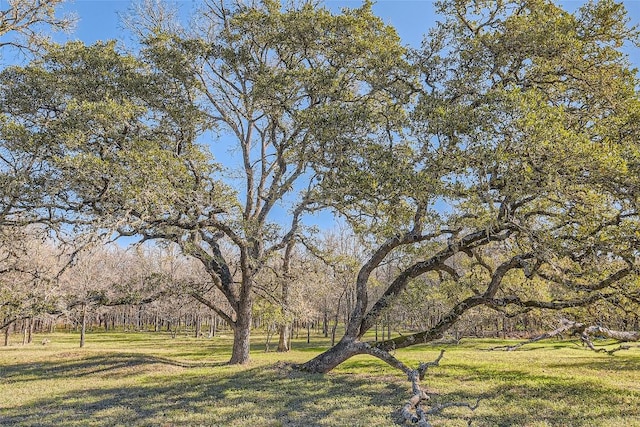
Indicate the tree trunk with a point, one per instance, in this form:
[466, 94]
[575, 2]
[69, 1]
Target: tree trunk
[270, 333]
[241, 335]
[30, 331]
[174, 332]
[283, 342]
[285, 329]
[83, 327]
[241, 345]
[139, 318]
[24, 332]
[198, 321]
[335, 320]
[6, 335]
[212, 326]
[325, 362]
[388, 322]
[333, 331]
[325, 321]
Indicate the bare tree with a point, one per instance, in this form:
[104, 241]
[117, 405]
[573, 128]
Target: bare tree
[25, 24]
[28, 277]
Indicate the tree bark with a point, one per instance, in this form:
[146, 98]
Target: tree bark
[283, 342]
[30, 331]
[325, 362]
[83, 327]
[325, 321]
[241, 346]
[24, 332]
[241, 335]
[198, 322]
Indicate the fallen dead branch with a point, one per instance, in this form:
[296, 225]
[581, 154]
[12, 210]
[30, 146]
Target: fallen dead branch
[585, 333]
[413, 410]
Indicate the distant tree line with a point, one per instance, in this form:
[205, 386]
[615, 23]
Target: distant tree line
[110, 288]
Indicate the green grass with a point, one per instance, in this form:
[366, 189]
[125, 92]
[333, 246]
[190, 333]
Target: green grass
[146, 379]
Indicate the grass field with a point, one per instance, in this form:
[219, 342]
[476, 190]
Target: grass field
[150, 379]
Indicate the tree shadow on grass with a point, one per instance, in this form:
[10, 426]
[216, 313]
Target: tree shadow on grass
[517, 398]
[105, 364]
[611, 363]
[170, 393]
[264, 396]
[513, 397]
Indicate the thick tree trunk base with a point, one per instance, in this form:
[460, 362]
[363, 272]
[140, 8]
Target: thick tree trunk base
[241, 346]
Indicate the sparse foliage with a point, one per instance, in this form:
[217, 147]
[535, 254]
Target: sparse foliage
[25, 24]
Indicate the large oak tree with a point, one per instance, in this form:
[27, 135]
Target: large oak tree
[274, 87]
[517, 184]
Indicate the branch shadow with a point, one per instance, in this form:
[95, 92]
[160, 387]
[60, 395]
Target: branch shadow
[612, 363]
[211, 394]
[521, 398]
[105, 364]
[266, 396]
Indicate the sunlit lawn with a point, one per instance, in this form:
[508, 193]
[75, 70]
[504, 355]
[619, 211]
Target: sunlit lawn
[150, 379]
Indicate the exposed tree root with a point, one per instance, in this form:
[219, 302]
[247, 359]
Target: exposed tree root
[585, 333]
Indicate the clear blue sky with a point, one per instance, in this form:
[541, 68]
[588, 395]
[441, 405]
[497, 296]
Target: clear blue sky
[98, 19]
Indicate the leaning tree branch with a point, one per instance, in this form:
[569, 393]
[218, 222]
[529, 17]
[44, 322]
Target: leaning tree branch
[466, 243]
[412, 411]
[201, 299]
